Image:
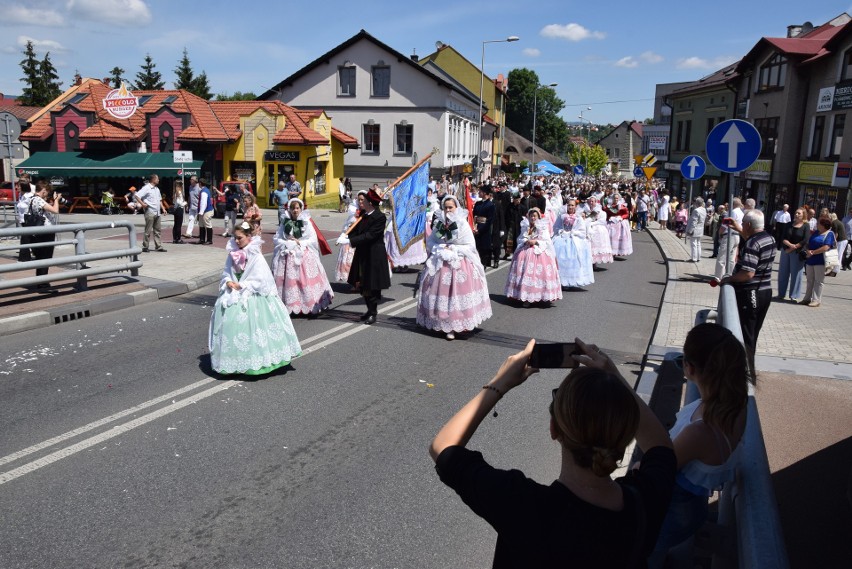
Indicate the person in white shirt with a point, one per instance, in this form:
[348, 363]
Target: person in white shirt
[782, 221]
[729, 241]
[150, 199]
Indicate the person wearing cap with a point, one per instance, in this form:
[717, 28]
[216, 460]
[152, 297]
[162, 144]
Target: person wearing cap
[130, 197]
[370, 263]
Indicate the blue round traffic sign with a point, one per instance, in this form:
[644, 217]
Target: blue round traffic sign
[733, 145]
[638, 172]
[579, 170]
[693, 167]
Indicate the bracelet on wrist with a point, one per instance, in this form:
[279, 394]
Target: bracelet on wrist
[492, 388]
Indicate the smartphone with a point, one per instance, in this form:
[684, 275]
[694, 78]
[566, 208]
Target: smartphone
[727, 221]
[554, 355]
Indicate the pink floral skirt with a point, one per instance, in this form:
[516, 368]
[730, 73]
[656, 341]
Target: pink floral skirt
[344, 262]
[302, 283]
[453, 300]
[620, 238]
[533, 278]
[601, 245]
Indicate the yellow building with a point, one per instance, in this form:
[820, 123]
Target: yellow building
[271, 141]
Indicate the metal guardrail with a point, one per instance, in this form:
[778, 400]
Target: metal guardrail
[748, 503]
[80, 257]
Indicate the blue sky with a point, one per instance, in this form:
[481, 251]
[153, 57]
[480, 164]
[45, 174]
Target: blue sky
[605, 55]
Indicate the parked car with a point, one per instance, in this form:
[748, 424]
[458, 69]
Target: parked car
[242, 186]
[6, 192]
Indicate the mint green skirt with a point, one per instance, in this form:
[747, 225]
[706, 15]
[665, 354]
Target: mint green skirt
[252, 338]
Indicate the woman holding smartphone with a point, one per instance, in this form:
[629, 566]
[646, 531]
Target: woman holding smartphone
[584, 518]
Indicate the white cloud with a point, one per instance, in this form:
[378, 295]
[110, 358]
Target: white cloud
[15, 14]
[651, 57]
[124, 13]
[531, 52]
[571, 32]
[629, 62]
[41, 46]
[701, 63]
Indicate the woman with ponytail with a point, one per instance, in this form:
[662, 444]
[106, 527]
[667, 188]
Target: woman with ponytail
[584, 518]
[708, 432]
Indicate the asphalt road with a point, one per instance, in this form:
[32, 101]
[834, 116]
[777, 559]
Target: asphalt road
[120, 448]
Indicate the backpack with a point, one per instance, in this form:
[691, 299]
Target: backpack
[33, 219]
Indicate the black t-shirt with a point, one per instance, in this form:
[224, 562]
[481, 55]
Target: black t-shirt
[548, 526]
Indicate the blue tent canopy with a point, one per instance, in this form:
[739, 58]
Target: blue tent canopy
[549, 168]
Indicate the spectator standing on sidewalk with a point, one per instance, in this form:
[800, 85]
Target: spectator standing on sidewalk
[839, 229]
[846, 258]
[150, 199]
[194, 193]
[821, 241]
[38, 205]
[205, 214]
[279, 198]
[752, 278]
[294, 188]
[232, 204]
[729, 240]
[792, 262]
[584, 518]
[179, 208]
[781, 222]
[695, 228]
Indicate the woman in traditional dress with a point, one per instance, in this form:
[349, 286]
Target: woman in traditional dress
[533, 276]
[453, 295]
[299, 274]
[619, 227]
[573, 252]
[599, 237]
[346, 253]
[250, 330]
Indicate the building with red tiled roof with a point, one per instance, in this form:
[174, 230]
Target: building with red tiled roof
[260, 140]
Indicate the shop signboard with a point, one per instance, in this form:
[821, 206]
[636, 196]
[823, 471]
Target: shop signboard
[281, 156]
[120, 103]
[842, 174]
[760, 170]
[672, 166]
[821, 173]
[657, 142]
[842, 96]
[825, 99]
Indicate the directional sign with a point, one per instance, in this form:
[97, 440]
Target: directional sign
[693, 167]
[733, 145]
[579, 170]
[637, 172]
[649, 171]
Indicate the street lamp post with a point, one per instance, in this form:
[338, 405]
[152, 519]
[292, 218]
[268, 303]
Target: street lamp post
[481, 89]
[589, 134]
[535, 112]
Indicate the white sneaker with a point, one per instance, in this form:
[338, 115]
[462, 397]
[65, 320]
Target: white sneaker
[451, 336]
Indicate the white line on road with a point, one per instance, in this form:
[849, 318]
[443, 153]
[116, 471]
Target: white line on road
[114, 432]
[86, 428]
[391, 310]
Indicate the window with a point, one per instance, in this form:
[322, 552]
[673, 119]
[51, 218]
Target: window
[846, 70]
[768, 129]
[170, 99]
[77, 98]
[381, 81]
[144, 99]
[346, 81]
[617, 153]
[773, 74]
[370, 142]
[404, 139]
[710, 123]
[837, 136]
[319, 182]
[687, 136]
[816, 141]
[679, 136]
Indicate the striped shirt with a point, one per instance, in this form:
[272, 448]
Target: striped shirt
[757, 255]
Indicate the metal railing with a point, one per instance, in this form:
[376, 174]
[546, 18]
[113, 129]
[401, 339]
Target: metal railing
[748, 503]
[81, 270]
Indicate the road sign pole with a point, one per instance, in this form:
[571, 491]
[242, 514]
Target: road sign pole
[689, 203]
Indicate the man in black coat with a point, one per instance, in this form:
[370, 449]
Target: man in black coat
[502, 199]
[370, 262]
[484, 214]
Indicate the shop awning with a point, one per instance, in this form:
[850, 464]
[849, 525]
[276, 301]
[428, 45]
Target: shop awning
[90, 164]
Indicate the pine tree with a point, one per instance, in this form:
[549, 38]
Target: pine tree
[116, 76]
[49, 81]
[31, 78]
[201, 87]
[148, 79]
[184, 73]
[237, 96]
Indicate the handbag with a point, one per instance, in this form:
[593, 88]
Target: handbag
[831, 258]
[32, 219]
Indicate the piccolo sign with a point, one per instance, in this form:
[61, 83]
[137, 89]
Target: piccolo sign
[121, 103]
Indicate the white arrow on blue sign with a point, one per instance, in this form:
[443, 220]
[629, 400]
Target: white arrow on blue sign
[693, 167]
[638, 172]
[579, 170]
[733, 145]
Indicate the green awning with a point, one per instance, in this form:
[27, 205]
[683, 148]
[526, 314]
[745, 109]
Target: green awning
[90, 164]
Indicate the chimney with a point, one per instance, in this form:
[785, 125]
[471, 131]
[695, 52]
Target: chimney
[106, 80]
[798, 30]
[414, 56]
[77, 79]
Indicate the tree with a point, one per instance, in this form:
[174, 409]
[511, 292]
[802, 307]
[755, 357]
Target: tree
[30, 79]
[49, 81]
[187, 80]
[526, 95]
[148, 79]
[237, 96]
[593, 158]
[116, 76]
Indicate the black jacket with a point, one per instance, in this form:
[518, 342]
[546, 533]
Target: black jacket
[370, 262]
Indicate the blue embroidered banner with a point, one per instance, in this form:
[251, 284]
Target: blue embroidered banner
[408, 203]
